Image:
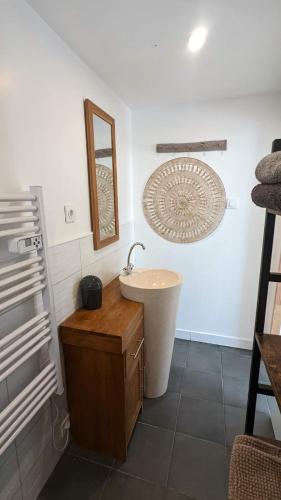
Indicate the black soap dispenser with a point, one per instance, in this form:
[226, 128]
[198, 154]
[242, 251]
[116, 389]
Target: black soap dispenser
[91, 292]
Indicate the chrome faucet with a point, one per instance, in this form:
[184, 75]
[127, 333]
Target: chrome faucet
[129, 267]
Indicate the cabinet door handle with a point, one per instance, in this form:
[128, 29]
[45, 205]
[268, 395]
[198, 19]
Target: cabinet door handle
[135, 354]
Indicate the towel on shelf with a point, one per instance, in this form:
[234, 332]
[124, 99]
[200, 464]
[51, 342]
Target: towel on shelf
[255, 470]
[267, 196]
[268, 170]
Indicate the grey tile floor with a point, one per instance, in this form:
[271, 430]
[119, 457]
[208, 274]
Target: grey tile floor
[181, 445]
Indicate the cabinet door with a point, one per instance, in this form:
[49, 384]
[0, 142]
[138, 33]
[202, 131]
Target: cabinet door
[134, 385]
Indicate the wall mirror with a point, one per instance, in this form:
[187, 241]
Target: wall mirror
[101, 151]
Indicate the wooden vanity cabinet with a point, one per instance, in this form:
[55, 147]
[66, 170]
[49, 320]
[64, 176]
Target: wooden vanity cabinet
[104, 365]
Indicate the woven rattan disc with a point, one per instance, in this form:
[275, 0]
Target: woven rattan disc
[184, 200]
[105, 201]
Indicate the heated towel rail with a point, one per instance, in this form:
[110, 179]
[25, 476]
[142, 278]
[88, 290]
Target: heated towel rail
[23, 277]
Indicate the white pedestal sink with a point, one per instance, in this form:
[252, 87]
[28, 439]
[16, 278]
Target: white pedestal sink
[158, 290]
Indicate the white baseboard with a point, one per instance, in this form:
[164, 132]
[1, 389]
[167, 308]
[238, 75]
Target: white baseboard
[212, 338]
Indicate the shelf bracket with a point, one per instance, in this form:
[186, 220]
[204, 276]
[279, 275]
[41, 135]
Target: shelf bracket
[189, 147]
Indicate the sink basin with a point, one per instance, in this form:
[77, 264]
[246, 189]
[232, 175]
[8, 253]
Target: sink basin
[158, 290]
[151, 279]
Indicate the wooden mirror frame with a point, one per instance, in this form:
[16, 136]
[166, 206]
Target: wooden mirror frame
[90, 110]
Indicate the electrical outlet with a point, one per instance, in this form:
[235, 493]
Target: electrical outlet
[65, 424]
[232, 203]
[69, 213]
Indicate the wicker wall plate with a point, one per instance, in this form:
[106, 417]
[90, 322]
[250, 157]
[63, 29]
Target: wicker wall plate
[105, 201]
[184, 200]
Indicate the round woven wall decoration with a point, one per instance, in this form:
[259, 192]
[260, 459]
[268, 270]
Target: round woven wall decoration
[184, 200]
[105, 201]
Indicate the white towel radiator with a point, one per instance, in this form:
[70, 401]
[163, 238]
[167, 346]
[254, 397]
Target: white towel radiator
[22, 277]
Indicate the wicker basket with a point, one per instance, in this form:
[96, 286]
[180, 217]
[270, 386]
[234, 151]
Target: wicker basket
[255, 470]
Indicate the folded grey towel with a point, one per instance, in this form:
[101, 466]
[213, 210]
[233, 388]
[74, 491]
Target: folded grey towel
[267, 196]
[268, 170]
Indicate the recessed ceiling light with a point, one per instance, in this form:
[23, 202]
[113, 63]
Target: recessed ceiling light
[197, 39]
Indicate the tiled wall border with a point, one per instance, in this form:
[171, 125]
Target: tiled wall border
[70, 261]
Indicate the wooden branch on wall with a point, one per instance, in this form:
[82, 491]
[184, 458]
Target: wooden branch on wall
[189, 147]
[103, 153]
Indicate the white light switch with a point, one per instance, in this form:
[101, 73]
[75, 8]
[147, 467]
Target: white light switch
[69, 213]
[232, 203]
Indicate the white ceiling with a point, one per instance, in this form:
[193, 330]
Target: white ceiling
[117, 38]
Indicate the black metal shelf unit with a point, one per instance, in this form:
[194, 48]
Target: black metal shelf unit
[262, 349]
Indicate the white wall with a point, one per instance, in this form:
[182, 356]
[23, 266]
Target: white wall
[220, 273]
[42, 142]
[42, 131]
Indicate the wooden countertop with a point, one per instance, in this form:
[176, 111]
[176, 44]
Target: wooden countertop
[107, 328]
